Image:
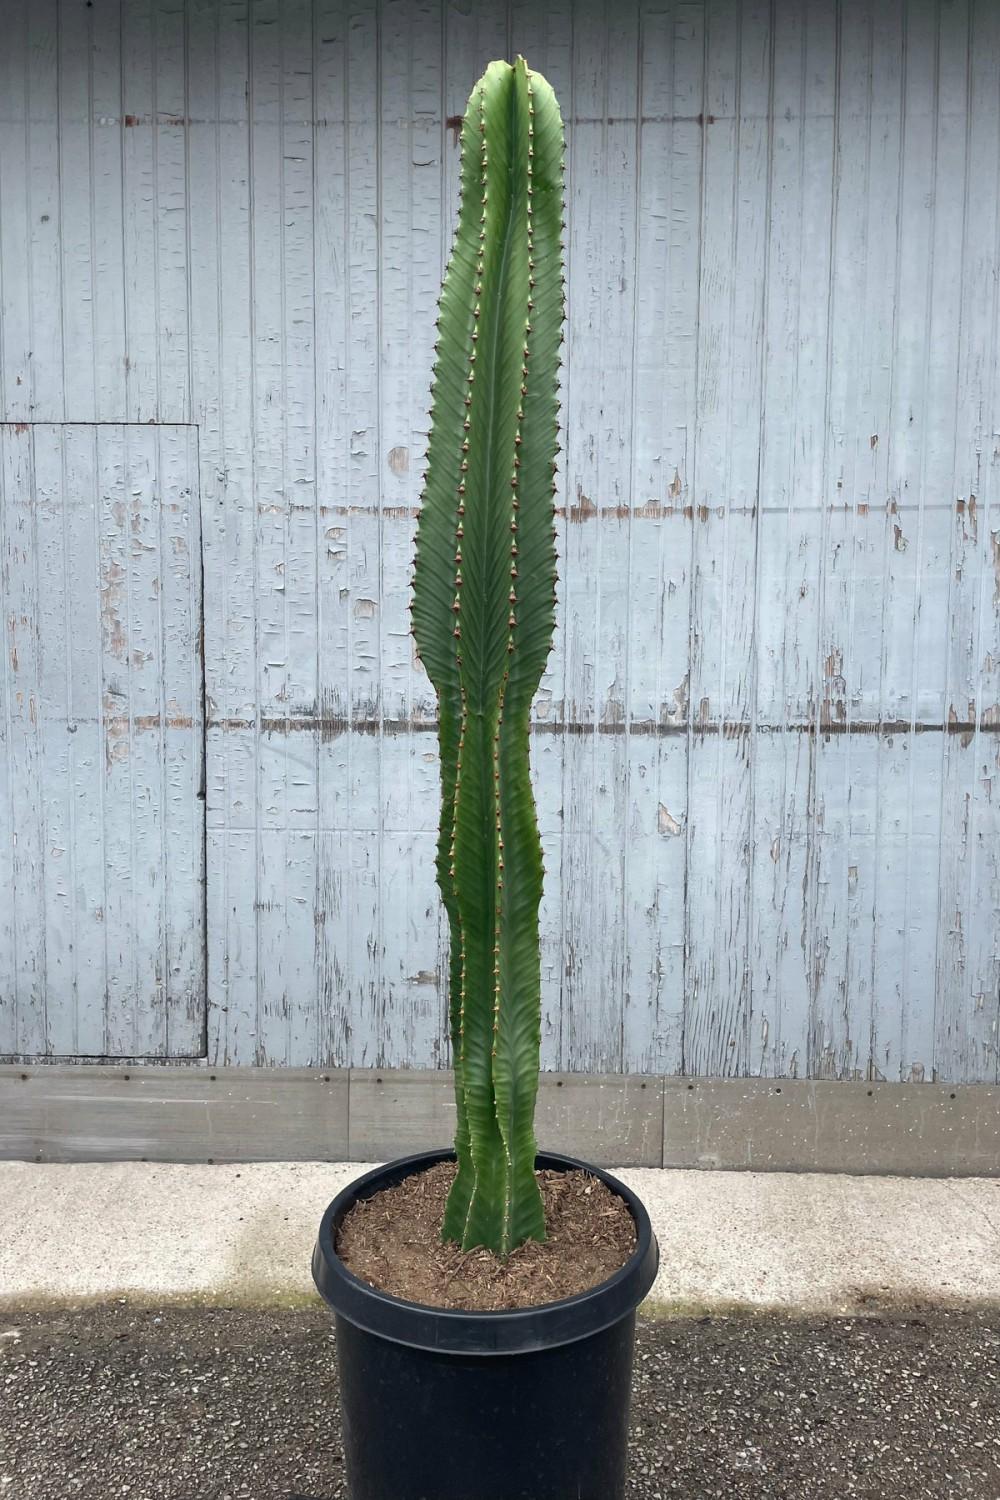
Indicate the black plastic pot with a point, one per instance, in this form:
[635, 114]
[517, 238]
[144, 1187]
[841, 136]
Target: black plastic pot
[442, 1405]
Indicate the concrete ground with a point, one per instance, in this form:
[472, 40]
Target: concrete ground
[812, 1337]
[243, 1235]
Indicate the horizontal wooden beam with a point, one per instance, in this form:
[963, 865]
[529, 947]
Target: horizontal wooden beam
[189, 1113]
[192, 1113]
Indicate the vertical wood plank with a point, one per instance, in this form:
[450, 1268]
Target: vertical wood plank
[333, 360]
[362, 494]
[47, 350]
[839, 1003]
[601, 196]
[967, 1013]
[724, 551]
[222, 353]
[27, 1018]
[178, 587]
[15, 302]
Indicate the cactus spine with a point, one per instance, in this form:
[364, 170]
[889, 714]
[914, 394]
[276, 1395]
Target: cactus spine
[483, 613]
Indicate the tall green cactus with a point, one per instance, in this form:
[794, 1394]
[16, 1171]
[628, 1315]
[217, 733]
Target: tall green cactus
[483, 612]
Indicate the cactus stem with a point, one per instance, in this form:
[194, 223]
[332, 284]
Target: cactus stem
[492, 1151]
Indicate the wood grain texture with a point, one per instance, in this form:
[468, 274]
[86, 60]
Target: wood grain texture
[177, 1112]
[601, 1118]
[765, 747]
[103, 941]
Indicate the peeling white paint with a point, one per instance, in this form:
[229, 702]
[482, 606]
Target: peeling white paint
[767, 739]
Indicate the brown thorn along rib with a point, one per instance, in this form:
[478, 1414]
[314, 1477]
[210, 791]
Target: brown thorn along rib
[498, 910]
[463, 723]
[459, 534]
[511, 626]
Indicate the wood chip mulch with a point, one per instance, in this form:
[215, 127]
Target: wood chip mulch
[393, 1242]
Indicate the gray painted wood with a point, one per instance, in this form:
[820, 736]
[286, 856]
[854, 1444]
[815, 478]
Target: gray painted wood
[802, 1125]
[184, 1112]
[98, 1113]
[102, 936]
[766, 745]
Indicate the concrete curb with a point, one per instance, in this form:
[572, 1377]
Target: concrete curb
[780, 1242]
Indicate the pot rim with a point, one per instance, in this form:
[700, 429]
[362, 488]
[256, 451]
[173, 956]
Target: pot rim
[506, 1331]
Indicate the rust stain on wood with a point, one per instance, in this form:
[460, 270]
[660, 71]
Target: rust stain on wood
[584, 509]
[666, 726]
[967, 511]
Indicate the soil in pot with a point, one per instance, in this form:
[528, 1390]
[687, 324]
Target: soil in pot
[392, 1240]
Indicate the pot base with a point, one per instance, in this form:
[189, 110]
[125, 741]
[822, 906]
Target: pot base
[544, 1426]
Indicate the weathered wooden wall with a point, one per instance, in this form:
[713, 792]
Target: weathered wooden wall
[766, 748]
[102, 824]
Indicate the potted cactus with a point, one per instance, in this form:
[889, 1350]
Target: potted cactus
[439, 1402]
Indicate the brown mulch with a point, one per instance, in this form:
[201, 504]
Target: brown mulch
[393, 1241]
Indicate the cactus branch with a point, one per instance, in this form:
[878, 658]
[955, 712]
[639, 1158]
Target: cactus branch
[483, 615]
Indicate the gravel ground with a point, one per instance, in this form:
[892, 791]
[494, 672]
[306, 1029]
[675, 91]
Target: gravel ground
[202, 1404]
